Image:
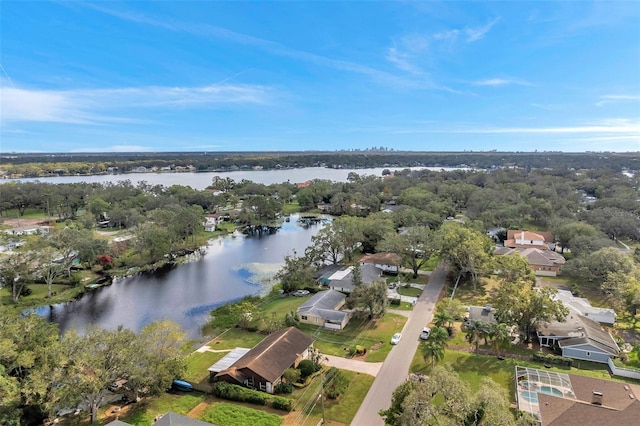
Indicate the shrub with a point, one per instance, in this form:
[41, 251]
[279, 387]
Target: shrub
[284, 404]
[238, 393]
[283, 387]
[306, 367]
[335, 383]
[552, 359]
[232, 392]
[291, 375]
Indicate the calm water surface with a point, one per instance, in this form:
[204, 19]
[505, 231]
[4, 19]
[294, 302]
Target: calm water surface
[233, 267]
[202, 180]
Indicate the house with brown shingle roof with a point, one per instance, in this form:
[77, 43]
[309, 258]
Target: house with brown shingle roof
[388, 262]
[262, 367]
[543, 262]
[526, 239]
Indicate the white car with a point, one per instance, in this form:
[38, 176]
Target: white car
[426, 332]
[396, 338]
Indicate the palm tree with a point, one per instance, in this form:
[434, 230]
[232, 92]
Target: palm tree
[474, 330]
[440, 335]
[501, 336]
[434, 351]
[441, 319]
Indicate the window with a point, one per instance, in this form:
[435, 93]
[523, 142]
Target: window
[588, 353]
[304, 317]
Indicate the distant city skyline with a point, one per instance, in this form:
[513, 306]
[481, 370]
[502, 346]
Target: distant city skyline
[144, 76]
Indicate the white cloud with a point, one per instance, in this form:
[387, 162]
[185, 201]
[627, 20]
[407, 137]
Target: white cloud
[402, 60]
[500, 82]
[475, 34]
[606, 99]
[450, 35]
[94, 106]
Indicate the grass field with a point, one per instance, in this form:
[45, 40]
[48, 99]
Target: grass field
[236, 415]
[410, 291]
[234, 338]
[143, 413]
[373, 335]
[199, 362]
[341, 410]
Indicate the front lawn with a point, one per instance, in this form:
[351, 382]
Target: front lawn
[472, 368]
[143, 413]
[279, 305]
[236, 338]
[236, 415]
[410, 291]
[199, 362]
[341, 410]
[374, 335]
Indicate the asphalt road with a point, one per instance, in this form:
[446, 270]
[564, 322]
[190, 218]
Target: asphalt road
[395, 368]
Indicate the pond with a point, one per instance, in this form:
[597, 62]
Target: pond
[233, 267]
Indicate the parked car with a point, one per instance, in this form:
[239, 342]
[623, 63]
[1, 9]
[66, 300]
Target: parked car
[426, 332]
[301, 292]
[396, 338]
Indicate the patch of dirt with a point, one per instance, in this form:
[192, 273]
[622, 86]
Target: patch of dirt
[116, 411]
[21, 223]
[376, 346]
[197, 410]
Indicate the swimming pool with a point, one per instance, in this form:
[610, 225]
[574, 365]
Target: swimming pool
[533, 396]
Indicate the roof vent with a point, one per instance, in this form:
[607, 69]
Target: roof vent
[596, 398]
[488, 307]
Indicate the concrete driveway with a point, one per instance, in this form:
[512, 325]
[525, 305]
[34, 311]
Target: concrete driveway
[371, 368]
[395, 368]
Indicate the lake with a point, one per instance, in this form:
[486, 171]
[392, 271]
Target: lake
[202, 180]
[233, 267]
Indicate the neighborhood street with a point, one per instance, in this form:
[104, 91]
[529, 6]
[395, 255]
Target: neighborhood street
[395, 368]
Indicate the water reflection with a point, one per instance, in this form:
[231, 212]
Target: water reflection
[232, 268]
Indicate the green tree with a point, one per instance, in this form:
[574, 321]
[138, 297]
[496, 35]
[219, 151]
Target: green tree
[371, 299]
[433, 351]
[473, 332]
[442, 319]
[500, 336]
[440, 335]
[48, 268]
[295, 274]
[414, 246]
[525, 305]
[467, 251]
[14, 272]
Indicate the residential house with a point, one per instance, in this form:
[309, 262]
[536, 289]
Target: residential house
[262, 367]
[578, 337]
[324, 309]
[528, 239]
[388, 262]
[340, 277]
[559, 399]
[28, 230]
[304, 184]
[581, 306]
[484, 314]
[543, 262]
[212, 221]
[169, 419]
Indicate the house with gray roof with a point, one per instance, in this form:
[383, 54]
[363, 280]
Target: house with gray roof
[324, 309]
[340, 277]
[169, 419]
[579, 337]
[582, 306]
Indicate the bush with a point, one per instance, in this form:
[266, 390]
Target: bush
[232, 392]
[307, 368]
[283, 387]
[335, 383]
[284, 404]
[552, 359]
[291, 375]
[238, 393]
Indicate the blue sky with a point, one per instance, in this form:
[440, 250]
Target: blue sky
[218, 76]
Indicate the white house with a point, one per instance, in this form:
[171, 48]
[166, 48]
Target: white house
[582, 306]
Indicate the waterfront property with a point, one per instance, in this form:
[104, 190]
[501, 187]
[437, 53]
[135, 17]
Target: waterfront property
[325, 309]
[340, 277]
[262, 367]
[558, 399]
